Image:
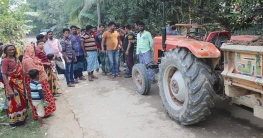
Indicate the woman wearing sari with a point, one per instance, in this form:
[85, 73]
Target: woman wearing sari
[14, 86]
[31, 62]
[47, 66]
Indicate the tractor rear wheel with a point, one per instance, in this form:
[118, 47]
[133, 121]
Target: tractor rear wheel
[186, 86]
[140, 79]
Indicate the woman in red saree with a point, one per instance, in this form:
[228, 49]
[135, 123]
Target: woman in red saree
[31, 62]
[14, 87]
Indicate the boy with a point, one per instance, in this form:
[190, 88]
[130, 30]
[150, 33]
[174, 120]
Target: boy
[37, 95]
[69, 57]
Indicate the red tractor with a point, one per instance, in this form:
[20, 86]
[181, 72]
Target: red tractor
[188, 67]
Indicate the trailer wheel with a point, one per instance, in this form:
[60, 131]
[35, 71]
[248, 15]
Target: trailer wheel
[186, 86]
[140, 79]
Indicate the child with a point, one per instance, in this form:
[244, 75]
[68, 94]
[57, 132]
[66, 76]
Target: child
[51, 58]
[37, 95]
[47, 66]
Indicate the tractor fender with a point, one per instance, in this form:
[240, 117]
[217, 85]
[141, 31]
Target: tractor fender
[200, 49]
[213, 34]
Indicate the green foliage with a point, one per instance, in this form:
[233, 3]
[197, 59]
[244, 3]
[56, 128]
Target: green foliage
[12, 27]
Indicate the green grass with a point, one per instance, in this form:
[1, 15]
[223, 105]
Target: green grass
[29, 130]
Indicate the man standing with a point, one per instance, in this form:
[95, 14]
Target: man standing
[88, 45]
[78, 65]
[112, 39]
[53, 46]
[171, 30]
[129, 48]
[69, 57]
[103, 57]
[144, 48]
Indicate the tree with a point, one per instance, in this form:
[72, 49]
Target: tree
[12, 27]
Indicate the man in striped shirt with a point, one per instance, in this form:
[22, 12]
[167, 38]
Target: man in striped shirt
[89, 46]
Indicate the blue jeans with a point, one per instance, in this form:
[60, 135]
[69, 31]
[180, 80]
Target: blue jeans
[69, 71]
[145, 58]
[113, 56]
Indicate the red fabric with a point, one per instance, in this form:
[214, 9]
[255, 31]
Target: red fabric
[17, 108]
[43, 57]
[47, 94]
[8, 64]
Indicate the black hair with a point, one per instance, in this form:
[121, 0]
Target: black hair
[137, 22]
[111, 23]
[82, 30]
[141, 23]
[88, 27]
[1, 44]
[9, 45]
[20, 57]
[33, 73]
[73, 26]
[65, 29]
[101, 25]
[49, 32]
[50, 56]
[172, 23]
[78, 28]
[129, 27]
[40, 36]
[122, 27]
[39, 41]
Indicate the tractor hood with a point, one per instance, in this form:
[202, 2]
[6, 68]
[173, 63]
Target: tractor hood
[200, 49]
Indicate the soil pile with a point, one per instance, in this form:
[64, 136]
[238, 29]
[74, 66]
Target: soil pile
[255, 42]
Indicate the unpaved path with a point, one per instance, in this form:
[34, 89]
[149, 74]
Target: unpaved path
[107, 108]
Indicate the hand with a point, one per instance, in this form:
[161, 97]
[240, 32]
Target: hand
[68, 61]
[11, 93]
[75, 59]
[51, 64]
[103, 51]
[127, 53]
[122, 50]
[85, 54]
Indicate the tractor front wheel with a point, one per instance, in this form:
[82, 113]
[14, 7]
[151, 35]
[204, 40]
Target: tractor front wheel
[186, 86]
[140, 79]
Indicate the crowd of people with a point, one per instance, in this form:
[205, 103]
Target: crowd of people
[32, 77]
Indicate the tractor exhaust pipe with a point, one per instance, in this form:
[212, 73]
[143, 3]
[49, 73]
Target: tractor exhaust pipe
[164, 28]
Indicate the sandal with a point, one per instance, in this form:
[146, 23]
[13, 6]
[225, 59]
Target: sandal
[82, 78]
[71, 85]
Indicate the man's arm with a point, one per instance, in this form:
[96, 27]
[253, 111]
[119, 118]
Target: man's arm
[102, 44]
[63, 45]
[59, 46]
[137, 47]
[82, 46]
[150, 40]
[120, 42]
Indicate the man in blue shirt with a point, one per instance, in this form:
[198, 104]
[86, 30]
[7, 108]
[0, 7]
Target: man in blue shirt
[171, 30]
[75, 41]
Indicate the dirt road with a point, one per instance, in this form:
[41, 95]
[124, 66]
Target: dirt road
[107, 108]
